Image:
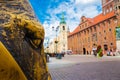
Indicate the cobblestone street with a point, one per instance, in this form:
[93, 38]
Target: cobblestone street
[85, 67]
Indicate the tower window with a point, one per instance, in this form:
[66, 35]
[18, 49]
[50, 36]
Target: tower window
[107, 11]
[63, 27]
[110, 8]
[104, 11]
[118, 7]
[103, 1]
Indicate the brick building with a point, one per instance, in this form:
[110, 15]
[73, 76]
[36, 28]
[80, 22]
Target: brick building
[100, 30]
[117, 13]
[117, 10]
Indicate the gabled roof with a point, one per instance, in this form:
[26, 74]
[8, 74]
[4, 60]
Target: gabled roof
[77, 29]
[97, 19]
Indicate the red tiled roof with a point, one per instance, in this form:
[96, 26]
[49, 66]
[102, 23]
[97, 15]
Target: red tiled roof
[102, 17]
[75, 31]
[99, 18]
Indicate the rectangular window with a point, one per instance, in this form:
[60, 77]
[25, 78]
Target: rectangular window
[108, 23]
[94, 37]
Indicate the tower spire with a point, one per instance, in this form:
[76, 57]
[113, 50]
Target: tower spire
[62, 19]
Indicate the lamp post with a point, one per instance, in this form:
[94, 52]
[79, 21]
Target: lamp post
[47, 42]
[56, 41]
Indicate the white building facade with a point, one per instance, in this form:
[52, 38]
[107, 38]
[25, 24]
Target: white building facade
[62, 37]
[59, 43]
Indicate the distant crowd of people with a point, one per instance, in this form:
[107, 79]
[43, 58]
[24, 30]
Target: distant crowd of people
[97, 51]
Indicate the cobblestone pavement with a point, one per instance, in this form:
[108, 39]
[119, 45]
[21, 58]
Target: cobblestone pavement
[80, 67]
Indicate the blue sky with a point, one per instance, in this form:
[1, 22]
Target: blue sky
[49, 12]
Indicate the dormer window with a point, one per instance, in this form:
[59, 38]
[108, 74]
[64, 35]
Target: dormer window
[103, 1]
[107, 10]
[104, 12]
[80, 27]
[83, 18]
[85, 24]
[110, 8]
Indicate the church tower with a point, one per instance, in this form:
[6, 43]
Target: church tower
[107, 6]
[117, 11]
[63, 32]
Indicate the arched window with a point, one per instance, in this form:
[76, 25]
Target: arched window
[63, 27]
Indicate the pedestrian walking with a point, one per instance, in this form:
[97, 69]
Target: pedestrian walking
[108, 53]
[94, 51]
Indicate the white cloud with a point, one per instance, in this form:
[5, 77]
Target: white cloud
[85, 1]
[74, 10]
[90, 11]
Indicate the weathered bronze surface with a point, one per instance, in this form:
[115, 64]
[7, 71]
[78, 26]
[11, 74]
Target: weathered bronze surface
[23, 37]
[9, 69]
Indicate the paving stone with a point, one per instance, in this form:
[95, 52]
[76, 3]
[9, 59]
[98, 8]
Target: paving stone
[79, 68]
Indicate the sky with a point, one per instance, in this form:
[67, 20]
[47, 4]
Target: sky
[49, 13]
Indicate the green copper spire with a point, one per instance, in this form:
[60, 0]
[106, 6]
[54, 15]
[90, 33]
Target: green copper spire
[62, 19]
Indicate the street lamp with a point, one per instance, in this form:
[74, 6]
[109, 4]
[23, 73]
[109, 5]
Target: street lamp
[47, 41]
[56, 41]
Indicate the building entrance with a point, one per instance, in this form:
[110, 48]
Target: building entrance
[105, 47]
[84, 51]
